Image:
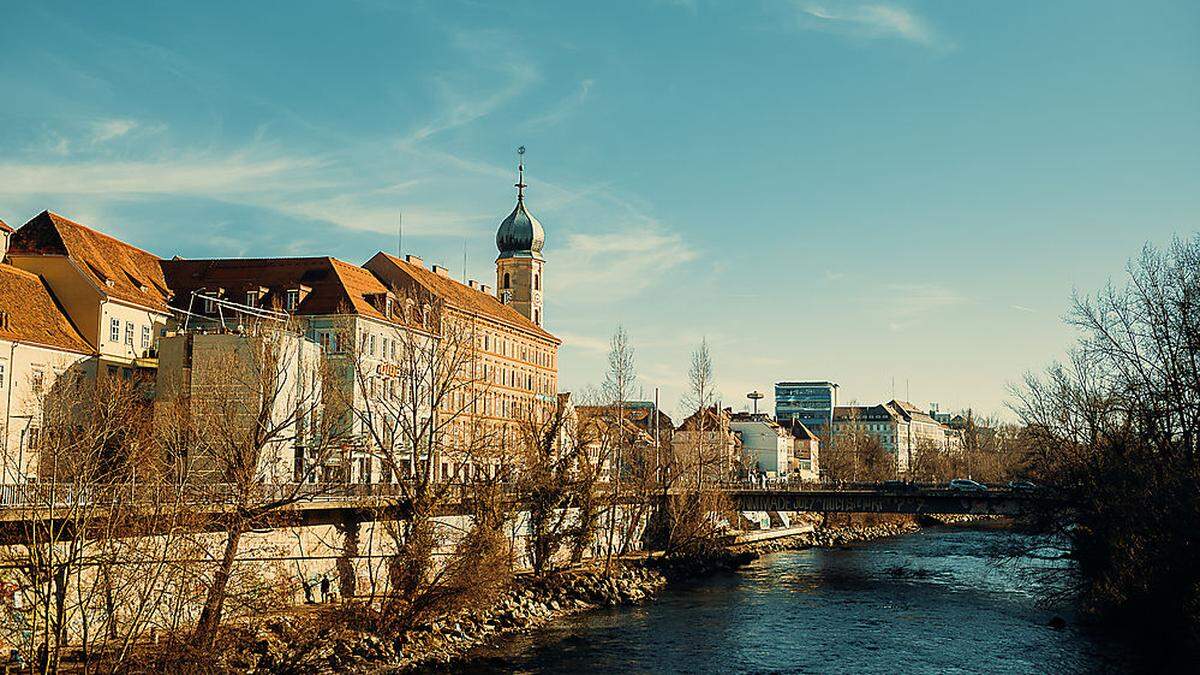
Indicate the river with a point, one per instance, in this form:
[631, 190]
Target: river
[943, 600]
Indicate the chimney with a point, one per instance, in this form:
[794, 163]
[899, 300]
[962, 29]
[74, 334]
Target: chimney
[473, 284]
[414, 260]
[485, 289]
[441, 271]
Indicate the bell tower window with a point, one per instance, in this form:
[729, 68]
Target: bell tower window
[537, 282]
[507, 281]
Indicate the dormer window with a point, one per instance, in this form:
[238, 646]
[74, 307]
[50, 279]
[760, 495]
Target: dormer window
[291, 299]
[251, 298]
[210, 304]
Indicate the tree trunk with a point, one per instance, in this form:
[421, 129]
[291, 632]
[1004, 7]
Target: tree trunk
[210, 617]
[347, 580]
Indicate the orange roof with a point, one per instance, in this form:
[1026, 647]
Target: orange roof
[337, 287]
[30, 314]
[458, 296]
[119, 270]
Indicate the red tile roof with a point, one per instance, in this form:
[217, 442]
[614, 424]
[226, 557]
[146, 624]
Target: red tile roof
[337, 287]
[457, 295]
[29, 313]
[118, 269]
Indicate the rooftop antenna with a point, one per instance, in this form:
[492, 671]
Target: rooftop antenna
[464, 260]
[400, 237]
[521, 174]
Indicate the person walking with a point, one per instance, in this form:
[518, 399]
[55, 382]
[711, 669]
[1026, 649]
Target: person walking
[324, 589]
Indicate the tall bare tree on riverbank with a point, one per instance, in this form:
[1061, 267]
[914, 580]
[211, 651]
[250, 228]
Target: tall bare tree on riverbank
[96, 561]
[248, 420]
[618, 389]
[1116, 430]
[422, 414]
[694, 506]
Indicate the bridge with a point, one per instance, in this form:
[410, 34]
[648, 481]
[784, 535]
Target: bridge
[924, 500]
[339, 503]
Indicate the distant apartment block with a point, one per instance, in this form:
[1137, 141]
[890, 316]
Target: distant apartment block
[809, 402]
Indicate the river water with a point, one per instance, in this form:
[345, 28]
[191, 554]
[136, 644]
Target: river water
[943, 600]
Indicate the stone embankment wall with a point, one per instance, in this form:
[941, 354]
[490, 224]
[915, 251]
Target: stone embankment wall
[306, 643]
[312, 642]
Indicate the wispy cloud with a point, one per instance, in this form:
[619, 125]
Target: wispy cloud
[466, 99]
[906, 305]
[106, 130]
[200, 174]
[618, 263]
[1023, 308]
[586, 343]
[867, 20]
[563, 109]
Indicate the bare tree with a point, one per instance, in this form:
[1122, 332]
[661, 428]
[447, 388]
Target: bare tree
[439, 439]
[1115, 431]
[694, 506]
[618, 389]
[264, 405]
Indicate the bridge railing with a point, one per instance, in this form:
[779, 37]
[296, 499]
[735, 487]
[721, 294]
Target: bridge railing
[69, 496]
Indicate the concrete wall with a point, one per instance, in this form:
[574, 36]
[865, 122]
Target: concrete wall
[21, 401]
[767, 448]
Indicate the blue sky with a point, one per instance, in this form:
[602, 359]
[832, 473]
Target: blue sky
[856, 191]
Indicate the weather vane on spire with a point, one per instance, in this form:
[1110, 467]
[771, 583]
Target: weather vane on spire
[521, 174]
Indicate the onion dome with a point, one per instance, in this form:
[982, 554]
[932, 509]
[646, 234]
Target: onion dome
[520, 235]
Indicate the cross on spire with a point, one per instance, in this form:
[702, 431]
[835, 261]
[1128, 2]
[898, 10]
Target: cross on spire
[521, 174]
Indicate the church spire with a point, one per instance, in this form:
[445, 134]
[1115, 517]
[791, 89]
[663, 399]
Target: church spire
[521, 174]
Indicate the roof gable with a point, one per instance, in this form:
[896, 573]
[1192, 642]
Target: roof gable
[334, 286]
[119, 270]
[32, 315]
[456, 295]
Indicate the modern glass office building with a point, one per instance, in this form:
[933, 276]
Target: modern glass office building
[809, 402]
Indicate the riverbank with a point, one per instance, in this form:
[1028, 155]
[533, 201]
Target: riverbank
[317, 641]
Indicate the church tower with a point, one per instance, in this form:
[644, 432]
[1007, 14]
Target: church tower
[519, 267]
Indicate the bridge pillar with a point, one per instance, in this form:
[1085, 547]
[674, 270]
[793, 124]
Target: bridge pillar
[347, 578]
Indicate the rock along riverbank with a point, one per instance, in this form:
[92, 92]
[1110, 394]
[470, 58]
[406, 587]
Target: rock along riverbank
[300, 643]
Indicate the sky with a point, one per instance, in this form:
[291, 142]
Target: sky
[900, 197]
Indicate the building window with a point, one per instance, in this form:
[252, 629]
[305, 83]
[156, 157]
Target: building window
[507, 281]
[210, 305]
[114, 330]
[537, 317]
[291, 299]
[1, 375]
[38, 379]
[145, 337]
[251, 298]
[129, 333]
[537, 282]
[372, 349]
